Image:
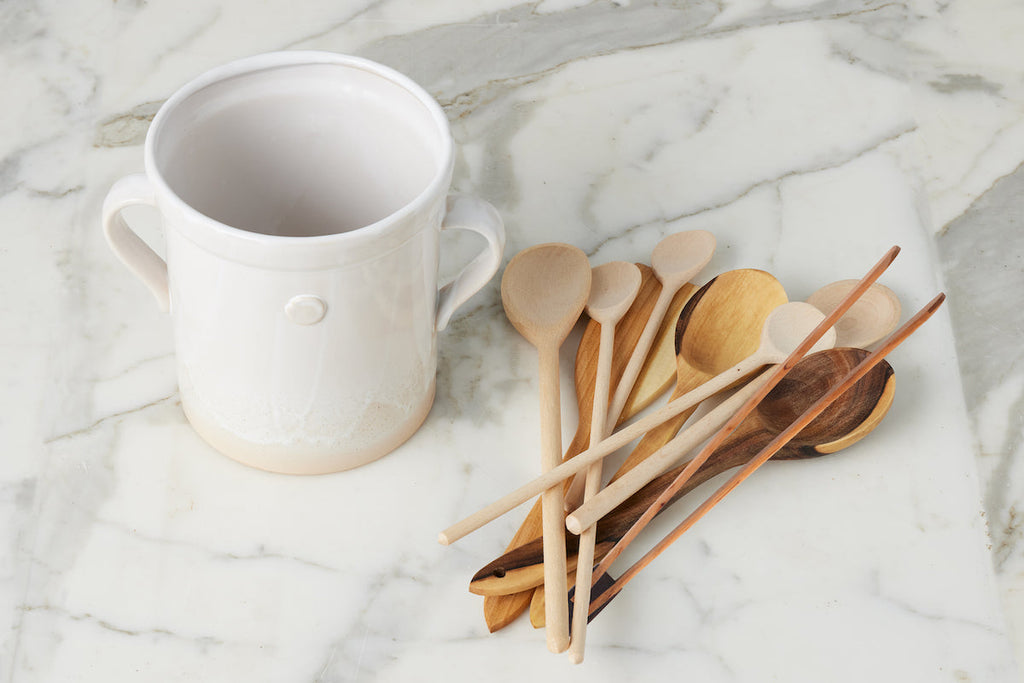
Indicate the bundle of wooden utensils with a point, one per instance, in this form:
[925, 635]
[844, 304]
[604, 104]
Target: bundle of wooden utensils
[802, 384]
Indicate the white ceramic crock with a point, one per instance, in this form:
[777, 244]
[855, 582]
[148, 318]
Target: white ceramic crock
[303, 195]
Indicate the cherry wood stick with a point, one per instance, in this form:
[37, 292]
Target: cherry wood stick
[798, 353]
[894, 340]
[553, 513]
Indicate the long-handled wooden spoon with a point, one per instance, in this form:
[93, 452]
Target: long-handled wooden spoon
[845, 423]
[655, 378]
[675, 261]
[543, 290]
[779, 442]
[614, 287]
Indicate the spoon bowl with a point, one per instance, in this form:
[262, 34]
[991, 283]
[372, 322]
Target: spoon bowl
[873, 316]
[544, 289]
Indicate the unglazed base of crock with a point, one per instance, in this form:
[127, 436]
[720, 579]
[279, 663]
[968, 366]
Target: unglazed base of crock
[299, 458]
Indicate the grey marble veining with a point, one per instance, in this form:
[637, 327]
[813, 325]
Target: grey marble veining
[808, 136]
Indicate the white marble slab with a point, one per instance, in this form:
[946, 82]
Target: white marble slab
[809, 137]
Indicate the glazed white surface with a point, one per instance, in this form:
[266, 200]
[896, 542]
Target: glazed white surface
[808, 137]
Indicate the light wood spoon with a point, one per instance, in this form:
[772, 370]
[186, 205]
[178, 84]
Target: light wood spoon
[878, 309]
[675, 261]
[543, 290]
[655, 379]
[613, 288]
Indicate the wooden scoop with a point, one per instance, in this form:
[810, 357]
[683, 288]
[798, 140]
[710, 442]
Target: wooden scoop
[543, 290]
[847, 421]
[656, 377]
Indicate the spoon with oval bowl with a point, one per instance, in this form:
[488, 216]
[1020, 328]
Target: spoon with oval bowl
[878, 309]
[848, 420]
[655, 378]
[675, 260]
[720, 325]
[543, 290]
[613, 289]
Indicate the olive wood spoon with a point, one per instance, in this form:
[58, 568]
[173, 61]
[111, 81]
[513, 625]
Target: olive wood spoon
[844, 424]
[780, 441]
[613, 288]
[675, 260]
[543, 290]
[655, 378]
[739, 300]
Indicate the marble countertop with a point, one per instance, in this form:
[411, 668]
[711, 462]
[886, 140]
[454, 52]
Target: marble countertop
[807, 136]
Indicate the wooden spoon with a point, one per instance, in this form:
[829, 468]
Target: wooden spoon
[656, 377]
[543, 290]
[720, 326]
[613, 289]
[675, 260]
[847, 421]
[873, 316]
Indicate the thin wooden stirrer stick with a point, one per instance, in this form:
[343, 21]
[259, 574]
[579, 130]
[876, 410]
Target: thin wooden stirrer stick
[730, 426]
[772, 448]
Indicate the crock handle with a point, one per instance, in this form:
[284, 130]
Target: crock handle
[129, 247]
[469, 213]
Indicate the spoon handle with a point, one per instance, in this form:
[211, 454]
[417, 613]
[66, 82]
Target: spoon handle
[556, 611]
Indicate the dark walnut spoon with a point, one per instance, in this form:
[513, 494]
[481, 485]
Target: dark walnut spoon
[847, 421]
